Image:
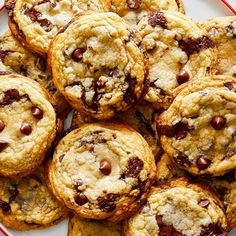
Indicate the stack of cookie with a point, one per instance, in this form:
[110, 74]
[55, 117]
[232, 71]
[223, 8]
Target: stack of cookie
[151, 149]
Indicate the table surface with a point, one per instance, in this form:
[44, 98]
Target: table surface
[199, 10]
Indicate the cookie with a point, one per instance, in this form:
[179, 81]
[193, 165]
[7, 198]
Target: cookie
[78, 226]
[177, 50]
[28, 125]
[134, 10]
[198, 129]
[27, 204]
[141, 117]
[225, 186]
[179, 208]
[15, 59]
[102, 171]
[36, 22]
[222, 31]
[166, 169]
[96, 66]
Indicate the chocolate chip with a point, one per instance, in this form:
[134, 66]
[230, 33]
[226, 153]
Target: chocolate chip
[26, 128]
[2, 125]
[105, 167]
[61, 157]
[212, 229]
[33, 14]
[134, 167]
[3, 145]
[4, 53]
[193, 46]
[41, 64]
[166, 230]
[37, 112]
[204, 203]
[182, 77]
[183, 160]
[181, 130]
[77, 54]
[112, 72]
[46, 24]
[10, 96]
[229, 85]
[133, 4]
[203, 163]
[157, 19]
[107, 203]
[218, 122]
[14, 192]
[130, 95]
[5, 206]
[80, 199]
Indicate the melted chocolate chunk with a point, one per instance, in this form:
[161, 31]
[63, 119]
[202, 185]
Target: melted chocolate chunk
[3, 145]
[23, 70]
[34, 15]
[231, 29]
[157, 19]
[166, 230]
[183, 160]
[41, 64]
[212, 229]
[2, 125]
[134, 167]
[5, 206]
[112, 72]
[204, 203]
[193, 46]
[107, 203]
[229, 85]
[179, 130]
[61, 157]
[133, 4]
[130, 95]
[182, 77]
[10, 96]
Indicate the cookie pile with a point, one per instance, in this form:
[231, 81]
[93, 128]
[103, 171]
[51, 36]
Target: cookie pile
[151, 149]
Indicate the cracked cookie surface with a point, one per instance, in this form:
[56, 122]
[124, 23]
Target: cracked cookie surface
[102, 171]
[27, 204]
[177, 50]
[36, 22]
[16, 59]
[28, 125]
[198, 129]
[96, 66]
[78, 226]
[132, 11]
[222, 31]
[179, 208]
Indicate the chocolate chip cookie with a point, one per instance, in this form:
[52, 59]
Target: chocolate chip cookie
[15, 59]
[78, 226]
[36, 22]
[97, 67]
[28, 125]
[198, 129]
[225, 186]
[179, 208]
[27, 204]
[102, 171]
[166, 169]
[141, 117]
[134, 10]
[222, 31]
[177, 50]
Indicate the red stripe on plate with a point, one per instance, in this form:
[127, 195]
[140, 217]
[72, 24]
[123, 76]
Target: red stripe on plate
[1, 8]
[229, 6]
[4, 231]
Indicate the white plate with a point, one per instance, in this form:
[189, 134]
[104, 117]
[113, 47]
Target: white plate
[199, 10]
